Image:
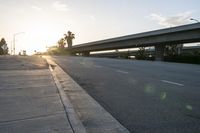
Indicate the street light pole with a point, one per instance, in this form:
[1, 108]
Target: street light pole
[11, 45]
[195, 20]
[14, 40]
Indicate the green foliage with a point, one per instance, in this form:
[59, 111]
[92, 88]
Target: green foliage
[124, 55]
[61, 43]
[61, 50]
[170, 50]
[4, 50]
[141, 54]
[69, 37]
[193, 59]
[58, 51]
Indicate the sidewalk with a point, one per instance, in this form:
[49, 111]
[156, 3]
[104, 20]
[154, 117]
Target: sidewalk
[36, 98]
[29, 99]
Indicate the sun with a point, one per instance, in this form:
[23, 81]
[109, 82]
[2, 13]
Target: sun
[38, 37]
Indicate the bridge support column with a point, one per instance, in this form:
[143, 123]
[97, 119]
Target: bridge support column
[159, 52]
[87, 53]
[179, 48]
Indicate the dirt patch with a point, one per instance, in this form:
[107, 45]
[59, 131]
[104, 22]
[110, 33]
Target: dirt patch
[22, 62]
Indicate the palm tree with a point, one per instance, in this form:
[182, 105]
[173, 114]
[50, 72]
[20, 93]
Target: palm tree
[61, 43]
[69, 37]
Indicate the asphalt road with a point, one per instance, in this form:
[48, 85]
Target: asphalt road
[144, 96]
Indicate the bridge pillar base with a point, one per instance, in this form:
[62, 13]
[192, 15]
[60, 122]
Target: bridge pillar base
[159, 52]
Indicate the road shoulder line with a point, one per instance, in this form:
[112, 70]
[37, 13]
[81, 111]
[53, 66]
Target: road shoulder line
[120, 71]
[170, 82]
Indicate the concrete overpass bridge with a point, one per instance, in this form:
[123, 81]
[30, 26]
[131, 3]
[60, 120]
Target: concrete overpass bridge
[158, 38]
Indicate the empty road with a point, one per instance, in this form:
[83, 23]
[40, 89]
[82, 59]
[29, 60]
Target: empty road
[144, 96]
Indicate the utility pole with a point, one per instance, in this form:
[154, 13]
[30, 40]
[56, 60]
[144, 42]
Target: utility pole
[14, 40]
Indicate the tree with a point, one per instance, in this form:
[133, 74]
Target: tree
[141, 54]
[69, 37]
[171, 50]
[61, 43]
[3, 47]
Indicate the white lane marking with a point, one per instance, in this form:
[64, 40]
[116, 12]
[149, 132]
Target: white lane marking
[120, 71]
[174, 83]
[97, 66]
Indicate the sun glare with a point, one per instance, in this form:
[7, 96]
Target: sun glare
[37, 38]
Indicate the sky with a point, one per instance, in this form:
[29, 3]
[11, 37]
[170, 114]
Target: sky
[43, 22]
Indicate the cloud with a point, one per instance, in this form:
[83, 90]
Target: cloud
[36, 8]
[179, 19]
[57, 5]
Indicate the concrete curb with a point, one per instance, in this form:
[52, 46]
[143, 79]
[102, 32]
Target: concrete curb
[74, 121]
[95, 119]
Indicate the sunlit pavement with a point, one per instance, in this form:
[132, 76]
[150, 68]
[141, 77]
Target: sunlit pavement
[29, 100]
[145, 96]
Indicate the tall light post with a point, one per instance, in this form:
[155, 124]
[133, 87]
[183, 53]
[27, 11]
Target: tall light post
[14, 40]
[195, 20]
[11, 45]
